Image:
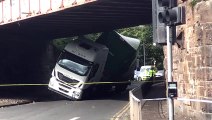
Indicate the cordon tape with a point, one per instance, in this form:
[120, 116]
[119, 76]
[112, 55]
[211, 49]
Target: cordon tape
[181, 99]
[88, 83]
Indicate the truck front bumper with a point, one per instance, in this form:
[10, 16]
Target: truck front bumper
[60, 88]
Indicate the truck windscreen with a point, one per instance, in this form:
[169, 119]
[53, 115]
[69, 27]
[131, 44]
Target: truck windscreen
[74, 63]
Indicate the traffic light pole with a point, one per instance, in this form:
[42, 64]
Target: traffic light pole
[169, 62]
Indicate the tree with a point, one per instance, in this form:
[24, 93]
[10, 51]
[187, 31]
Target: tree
[144, 33]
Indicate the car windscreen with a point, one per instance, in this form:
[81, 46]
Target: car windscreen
[74, 63]
[144, 69]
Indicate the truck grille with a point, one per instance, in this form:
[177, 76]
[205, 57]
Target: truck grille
[66, 79]
[65, 86]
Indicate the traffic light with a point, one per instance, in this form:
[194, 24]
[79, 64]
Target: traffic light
[174, 16]
[166, 13]
[159, 29]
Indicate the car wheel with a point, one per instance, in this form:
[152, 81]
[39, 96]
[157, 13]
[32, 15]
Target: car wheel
[139, 79]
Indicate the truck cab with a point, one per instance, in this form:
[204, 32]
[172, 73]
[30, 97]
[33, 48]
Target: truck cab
[82, 61]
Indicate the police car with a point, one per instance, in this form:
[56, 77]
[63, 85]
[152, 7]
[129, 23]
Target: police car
[146, 72]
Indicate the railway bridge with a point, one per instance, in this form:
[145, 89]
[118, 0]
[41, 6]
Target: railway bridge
[27, 26]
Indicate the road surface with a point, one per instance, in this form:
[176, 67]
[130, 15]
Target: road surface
[103, 107]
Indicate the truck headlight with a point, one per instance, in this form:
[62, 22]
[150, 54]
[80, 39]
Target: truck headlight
[51, 82]
[76, 93]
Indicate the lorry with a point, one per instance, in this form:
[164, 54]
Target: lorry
[85, 66]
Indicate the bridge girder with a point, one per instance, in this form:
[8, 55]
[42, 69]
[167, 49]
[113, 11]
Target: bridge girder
[98, 16]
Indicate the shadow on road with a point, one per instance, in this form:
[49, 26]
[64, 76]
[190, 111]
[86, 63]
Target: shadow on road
[157, 90]
[32, 93]
[43, 94]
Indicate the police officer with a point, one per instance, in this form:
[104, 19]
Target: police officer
[152, 72]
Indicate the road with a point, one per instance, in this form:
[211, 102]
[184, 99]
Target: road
[103, 107]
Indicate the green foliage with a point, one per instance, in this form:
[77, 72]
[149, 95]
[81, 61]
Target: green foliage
[144, 33]
[92, 36]
[194, 2]
[62, 42]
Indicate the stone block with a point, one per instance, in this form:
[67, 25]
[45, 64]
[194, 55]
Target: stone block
[208, 37]
[207, 26]
[206, 61]
[197, 71]
[198, 61]
[208, 116]
[175, 66]
[185, 77]
[188, 57]
[206, 107]
[189, 37]
[180, 66]
[199, 116]
[200, 91]
[208, 50]
[209, 93]
[181, 78]
[208, 84]
[182, 88]
[190, 65]
[198, 32]
[208, 77]
[202, 83]
[203, 9]
[192, 76]
[194, 105]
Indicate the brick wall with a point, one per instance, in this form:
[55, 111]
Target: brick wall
[192, 60]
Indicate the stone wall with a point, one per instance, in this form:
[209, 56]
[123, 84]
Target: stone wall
[192, 60]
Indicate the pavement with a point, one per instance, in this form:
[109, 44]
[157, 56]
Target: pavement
[15, 96]
[10, 97]
[152, 109]
[12, 102]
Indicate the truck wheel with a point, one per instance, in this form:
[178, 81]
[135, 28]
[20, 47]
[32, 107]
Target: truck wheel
[87, 93]
[103, 88]
[139, 79]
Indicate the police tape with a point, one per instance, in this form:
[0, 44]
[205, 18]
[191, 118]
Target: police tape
[87, 83]
[8, 85]
[194, 100]
[180, 99]
[155, 99]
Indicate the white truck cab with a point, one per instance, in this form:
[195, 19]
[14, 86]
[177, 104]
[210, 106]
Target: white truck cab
[81, 62]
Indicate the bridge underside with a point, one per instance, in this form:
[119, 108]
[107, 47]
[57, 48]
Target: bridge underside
[99, 16]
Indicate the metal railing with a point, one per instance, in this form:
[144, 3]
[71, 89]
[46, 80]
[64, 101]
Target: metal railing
[135, 108]
[136, 101]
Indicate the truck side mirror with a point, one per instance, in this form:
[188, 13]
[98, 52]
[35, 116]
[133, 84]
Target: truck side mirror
[94, 70]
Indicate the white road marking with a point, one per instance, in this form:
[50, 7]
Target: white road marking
[75, 118]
